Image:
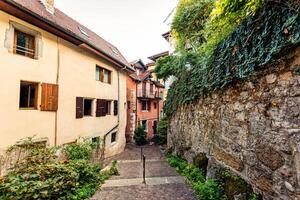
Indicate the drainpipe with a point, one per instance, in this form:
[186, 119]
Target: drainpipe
[136, 104]
[118, 97]
[57, 81]
[158, 105]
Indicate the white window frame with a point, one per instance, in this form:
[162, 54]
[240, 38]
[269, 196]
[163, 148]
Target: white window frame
[10, 34]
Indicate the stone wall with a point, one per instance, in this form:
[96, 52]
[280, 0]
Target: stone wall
[251, 127]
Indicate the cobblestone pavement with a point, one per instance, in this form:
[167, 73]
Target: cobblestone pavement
[162, 182]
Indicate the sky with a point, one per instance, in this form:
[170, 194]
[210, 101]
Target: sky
[133, 26]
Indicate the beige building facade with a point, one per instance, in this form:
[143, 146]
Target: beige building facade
[59, 90]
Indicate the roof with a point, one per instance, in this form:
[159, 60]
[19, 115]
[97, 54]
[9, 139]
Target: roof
[158, 84]
[139, 64]
[70, 26]
[141, 77]
[159, 55]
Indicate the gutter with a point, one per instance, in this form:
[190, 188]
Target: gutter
[81, 41]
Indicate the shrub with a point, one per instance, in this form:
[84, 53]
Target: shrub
[78, 151]
[209, 190]
[39, 174]
[162, 130]
[206, 190]
[140, 136]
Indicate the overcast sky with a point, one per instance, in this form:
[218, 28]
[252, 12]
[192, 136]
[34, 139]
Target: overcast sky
[134, 26]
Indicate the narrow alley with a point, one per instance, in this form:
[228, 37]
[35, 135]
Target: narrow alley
[162, 181]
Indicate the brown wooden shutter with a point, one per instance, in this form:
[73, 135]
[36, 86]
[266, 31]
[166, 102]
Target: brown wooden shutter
[115, 108]
[49, 100]
[149, 105]
[100, 108]
[79, 107]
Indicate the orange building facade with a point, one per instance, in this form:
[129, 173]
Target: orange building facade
[144, 101]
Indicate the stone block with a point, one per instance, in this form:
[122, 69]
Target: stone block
[228, 159]
[269, 157]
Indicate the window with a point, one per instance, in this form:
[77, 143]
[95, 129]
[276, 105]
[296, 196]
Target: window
[116, 108]
[151, 88]
[87, 107]
[155, 105]
[144, 124]
[108, 107]
[128, 105]
[24, 44]
[28, 95]
[113, 137]
[103, 75]
[144, 106]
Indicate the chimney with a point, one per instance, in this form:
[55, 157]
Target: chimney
[49, 5]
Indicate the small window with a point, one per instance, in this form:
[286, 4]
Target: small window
[144, 106]
[103, 75]
[155, 105]
[28, 95]
[108, 107]
[144, 124]
[24, 44]
[151, 88]
[128, 105]
[113, 137]
[87, 107]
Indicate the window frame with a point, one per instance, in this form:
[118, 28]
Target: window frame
[146, 103]
[32, 38]
[36, 95]
[146, 125]
[102, 72]
[91, 112]
[155, 105]
[115, 137]
[108, 107]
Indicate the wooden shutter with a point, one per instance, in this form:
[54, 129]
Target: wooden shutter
[100, 108]
[115, 108]
[79, 107]
[149, 105]
[49, 97]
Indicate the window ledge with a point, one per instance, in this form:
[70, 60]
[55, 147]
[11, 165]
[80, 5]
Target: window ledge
[28, 109]
[113, 143]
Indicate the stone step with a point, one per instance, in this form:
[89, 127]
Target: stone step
[138, 181]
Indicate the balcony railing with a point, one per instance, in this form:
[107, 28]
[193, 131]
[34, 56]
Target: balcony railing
[147, 94]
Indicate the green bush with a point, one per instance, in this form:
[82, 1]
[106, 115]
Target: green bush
[80, 150]
[39, 175]
[206, 190]
[140, 136]
[162, 130]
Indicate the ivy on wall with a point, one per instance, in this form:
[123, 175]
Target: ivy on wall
[256, 41]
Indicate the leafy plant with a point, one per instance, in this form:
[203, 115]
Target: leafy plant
[240, 37]
[140, 136]
[206, 189]
[80, 150]
[40, 175]
[162, 130]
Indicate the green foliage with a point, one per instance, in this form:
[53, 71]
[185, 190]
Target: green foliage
[40, 175]
[80, 150]
[140, 136]
[189, 22]
[162, 130]
[206, 190]
[209, 190]
[259, 35]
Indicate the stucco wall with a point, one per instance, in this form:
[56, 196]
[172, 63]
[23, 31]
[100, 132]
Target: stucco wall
[252, 127]
[15, 123]
[76, 79]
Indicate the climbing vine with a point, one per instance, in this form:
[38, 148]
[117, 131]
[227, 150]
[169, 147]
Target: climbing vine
[257, 40]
